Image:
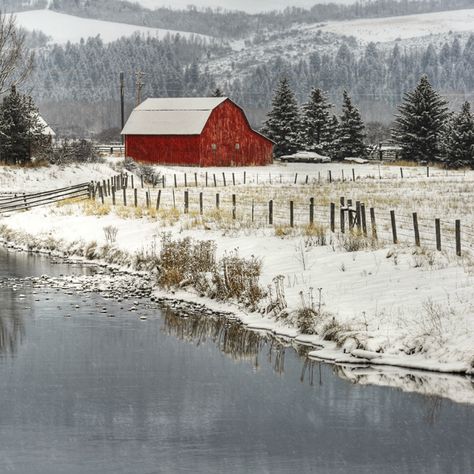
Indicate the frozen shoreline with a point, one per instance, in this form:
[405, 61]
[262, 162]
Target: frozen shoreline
[398, 306]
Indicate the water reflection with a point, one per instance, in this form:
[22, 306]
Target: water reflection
[12, 326]
[232, 339]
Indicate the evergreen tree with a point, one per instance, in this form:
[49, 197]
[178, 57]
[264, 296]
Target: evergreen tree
[316, 123]
[459, 142]
[419, 124]
[283, 122]
[351, 131]
[217, 92]
[21, 131]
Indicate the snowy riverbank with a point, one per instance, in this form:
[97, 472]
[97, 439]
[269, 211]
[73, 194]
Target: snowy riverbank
[388, 306]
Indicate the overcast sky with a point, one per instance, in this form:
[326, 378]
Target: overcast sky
[251, 6]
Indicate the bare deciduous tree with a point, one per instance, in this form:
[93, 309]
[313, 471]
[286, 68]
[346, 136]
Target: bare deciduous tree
[16, 61]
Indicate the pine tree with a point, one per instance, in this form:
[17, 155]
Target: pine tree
[21, 131]
[283, 123]
[351, 131]
[217, 92]
[316, 123]
[419, 123]
[459, 141]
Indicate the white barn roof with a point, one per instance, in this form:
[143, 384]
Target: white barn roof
[171, 116]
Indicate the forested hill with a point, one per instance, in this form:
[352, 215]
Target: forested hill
[233, 24]
[78, 84]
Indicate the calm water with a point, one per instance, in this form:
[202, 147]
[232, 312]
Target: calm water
[93, 394]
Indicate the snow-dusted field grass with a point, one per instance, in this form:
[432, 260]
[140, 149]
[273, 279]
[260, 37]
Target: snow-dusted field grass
[403, 306]
[63, 28]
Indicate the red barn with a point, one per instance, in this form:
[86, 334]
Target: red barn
[200, 131]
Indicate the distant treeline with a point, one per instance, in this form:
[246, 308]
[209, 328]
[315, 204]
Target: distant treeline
[234, 24]
[88, 72]
[374, 76]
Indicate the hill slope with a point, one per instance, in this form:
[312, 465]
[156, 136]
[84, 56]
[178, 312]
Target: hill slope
[63, 28]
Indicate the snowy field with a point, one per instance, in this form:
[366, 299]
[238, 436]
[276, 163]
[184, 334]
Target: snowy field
[63, 28]
[399, 305]
[402, 27]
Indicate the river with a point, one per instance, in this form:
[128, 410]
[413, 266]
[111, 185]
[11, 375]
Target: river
[81, 392]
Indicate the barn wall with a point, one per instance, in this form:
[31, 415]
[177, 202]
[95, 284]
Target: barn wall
[226, 127]
[163, 149]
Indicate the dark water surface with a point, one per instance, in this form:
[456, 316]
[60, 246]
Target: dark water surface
[94, 394]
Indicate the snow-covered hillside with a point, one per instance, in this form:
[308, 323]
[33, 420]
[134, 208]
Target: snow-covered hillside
[63, 28]
[402, 27]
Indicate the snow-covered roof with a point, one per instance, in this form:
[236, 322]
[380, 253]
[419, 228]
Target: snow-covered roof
[47, 130]
[171, 116]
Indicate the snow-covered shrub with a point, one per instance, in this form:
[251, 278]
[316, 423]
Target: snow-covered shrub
[337, 332]
[110, 232]
[238, 278]
[149, 173]
[354, 240]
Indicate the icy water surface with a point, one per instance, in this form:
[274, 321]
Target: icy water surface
[95, 394]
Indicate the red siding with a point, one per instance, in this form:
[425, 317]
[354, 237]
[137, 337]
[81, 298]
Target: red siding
[164, 149]
[226, 127]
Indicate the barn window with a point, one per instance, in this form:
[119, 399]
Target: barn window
[237, 146]
[214, 146]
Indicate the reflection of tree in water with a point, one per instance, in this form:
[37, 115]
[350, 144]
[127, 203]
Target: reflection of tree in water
[231, 338]
[12, 327]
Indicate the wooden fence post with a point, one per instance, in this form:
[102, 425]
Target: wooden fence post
[342, 175]
[158, 199]
[311, 211]
[185, 180]
[373, 224]
[234, 207]
[329, 176]
[206, 179]
[174, 199]
[132, 181]
[394, 227]
[332, 211]
[135, 197]
[341, 215]
[416, 230]
[401, 172]
[147, 197]
[200, 204]
[233, 178]
[353, 175]
[253, 211]
[270, 212]
[306, 180]
[458, 237]
[113, 195]
[358, 216]
[296, 177]
[438, 234]
[428, 171]
[215, 181]
[186, 202]
[196, 179]
[124, 190]
[217, 200]
[364, 219]
[141, 179]
[245, 177]
[292, 214]
[223, 178]
[175, 182]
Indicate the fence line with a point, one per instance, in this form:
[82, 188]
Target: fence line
[346, 216]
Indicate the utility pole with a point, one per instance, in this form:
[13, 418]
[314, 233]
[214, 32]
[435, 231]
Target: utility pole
[122, 99]
[138, 87]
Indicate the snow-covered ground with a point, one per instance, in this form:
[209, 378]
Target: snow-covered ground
[63, 28]
[402, 27]
[404, 307]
